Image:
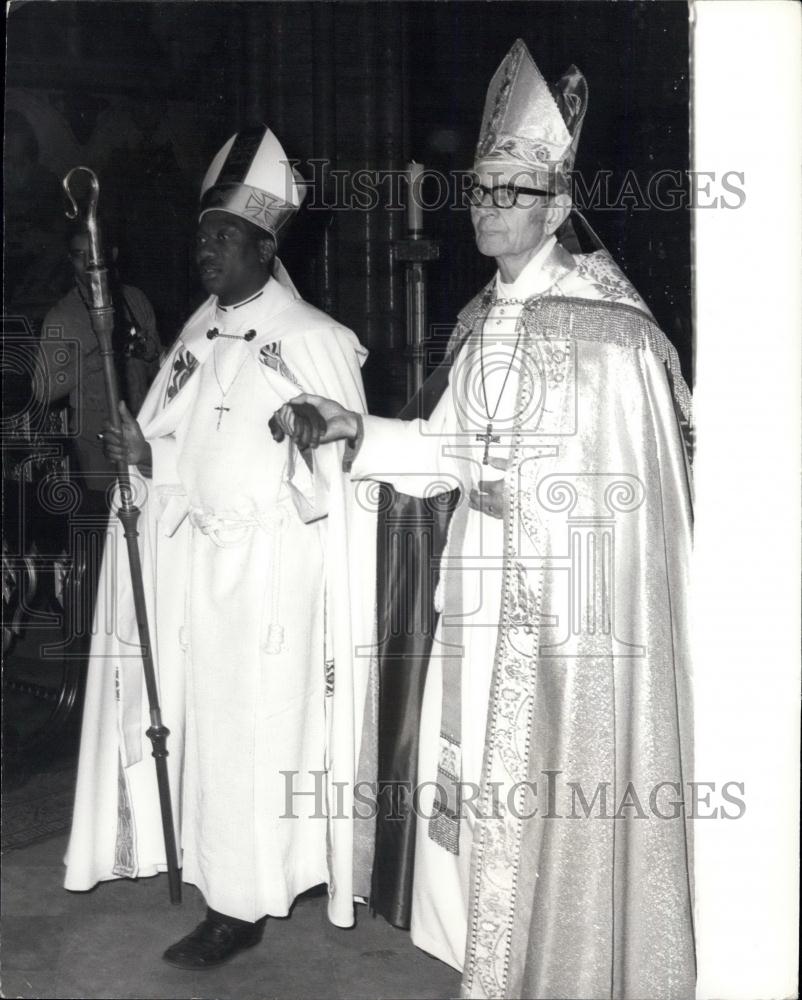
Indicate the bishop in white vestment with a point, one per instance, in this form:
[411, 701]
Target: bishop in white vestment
[553, 853]
[252, 599]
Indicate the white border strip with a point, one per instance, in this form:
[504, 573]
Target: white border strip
[746, 578]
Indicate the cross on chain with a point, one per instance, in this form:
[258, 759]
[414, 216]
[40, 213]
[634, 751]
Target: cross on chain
[488, 437]
[221, 408]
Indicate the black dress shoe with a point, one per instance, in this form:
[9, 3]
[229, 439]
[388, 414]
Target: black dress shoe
[213, 942]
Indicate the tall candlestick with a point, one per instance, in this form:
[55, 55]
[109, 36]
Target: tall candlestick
[414, 206]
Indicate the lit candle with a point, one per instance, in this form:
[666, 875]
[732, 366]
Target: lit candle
[414, 207]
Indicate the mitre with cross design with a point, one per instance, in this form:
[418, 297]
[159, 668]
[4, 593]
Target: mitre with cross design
[530, 131]
[252, 178]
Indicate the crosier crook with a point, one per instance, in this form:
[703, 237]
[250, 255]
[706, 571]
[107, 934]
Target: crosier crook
[101, 312]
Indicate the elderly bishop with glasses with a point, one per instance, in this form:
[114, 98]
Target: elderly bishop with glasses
[552, 854]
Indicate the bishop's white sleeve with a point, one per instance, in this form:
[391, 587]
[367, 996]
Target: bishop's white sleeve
[415, 456]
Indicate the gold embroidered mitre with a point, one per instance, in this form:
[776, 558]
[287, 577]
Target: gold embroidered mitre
[529, 129]
[251, 177]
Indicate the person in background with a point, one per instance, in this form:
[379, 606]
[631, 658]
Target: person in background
[70, 366]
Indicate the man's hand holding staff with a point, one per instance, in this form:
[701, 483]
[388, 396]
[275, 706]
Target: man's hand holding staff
[121, 432]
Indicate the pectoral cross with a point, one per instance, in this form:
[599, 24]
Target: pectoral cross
[488, 437]
[221, 408]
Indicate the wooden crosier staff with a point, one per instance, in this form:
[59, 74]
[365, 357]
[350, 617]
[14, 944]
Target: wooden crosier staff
[101, 313]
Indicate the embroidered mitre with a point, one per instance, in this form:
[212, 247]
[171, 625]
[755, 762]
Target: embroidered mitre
[528, 128]
[251, 177]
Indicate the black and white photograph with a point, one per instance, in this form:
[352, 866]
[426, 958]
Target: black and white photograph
[401, 499]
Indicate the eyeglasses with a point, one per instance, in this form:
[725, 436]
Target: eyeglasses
[504, 196]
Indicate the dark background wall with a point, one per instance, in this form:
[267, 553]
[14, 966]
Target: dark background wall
[147, 92]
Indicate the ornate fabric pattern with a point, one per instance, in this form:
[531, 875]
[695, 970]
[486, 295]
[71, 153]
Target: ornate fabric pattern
[523, 603]
[607, 278]
[457, 338]
[183, 366]
[565, 640]
[613, 323]
[556, 357]
[634, 328]
[265, 209]
[478, 307]
[124, 850]
[493, 119]
[444, 824]
[523, 124]
[495, 862]
[270, 356]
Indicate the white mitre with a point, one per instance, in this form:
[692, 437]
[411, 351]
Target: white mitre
[530, 131]
[252, 178]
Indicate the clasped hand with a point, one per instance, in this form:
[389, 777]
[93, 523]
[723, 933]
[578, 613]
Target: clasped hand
[310, 421]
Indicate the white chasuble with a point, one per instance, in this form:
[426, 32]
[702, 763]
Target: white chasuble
[263, 702]
[574, 680]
